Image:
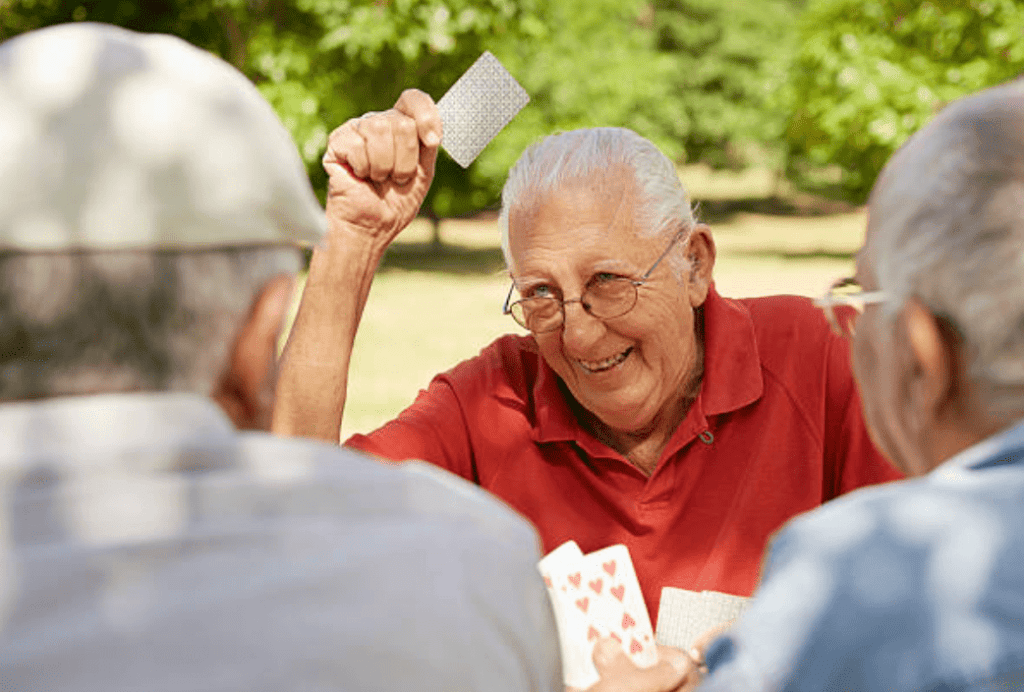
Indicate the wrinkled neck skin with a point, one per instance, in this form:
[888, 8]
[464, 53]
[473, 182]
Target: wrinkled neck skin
[643, 447]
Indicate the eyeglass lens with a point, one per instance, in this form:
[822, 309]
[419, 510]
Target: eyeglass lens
[606, 299]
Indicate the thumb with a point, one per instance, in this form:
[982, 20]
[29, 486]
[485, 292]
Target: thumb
[618, 672]
[672, 670]
[428, 161]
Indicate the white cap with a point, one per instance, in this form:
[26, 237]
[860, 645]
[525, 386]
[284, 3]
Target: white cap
[111, 139]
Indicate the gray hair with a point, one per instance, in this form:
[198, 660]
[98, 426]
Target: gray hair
[599, 155]
[116, 321]
[947, 219]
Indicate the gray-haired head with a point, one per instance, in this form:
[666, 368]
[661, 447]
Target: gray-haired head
[946, 224]
[148, 193]
[599, 156]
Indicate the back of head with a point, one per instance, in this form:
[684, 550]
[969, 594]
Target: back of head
[599, 157]
[147, 194]
[947, 225]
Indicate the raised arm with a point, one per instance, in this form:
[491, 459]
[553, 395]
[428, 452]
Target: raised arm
[380, 168]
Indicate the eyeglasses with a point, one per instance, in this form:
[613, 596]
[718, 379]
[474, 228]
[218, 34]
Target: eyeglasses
[847, 292]
[605, 296]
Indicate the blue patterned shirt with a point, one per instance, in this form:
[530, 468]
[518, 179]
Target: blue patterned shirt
[914, 585]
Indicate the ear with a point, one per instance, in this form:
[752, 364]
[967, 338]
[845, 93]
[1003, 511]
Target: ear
[246, 390]
[700, 251]
[932, 372]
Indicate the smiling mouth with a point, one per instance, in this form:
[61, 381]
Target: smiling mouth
[607, 363]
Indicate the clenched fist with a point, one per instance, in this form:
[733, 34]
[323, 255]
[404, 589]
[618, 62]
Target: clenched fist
[381, 166]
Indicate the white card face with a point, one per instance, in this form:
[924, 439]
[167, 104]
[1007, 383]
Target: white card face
[561, 570]
[482, 102]
[596, 595]
[610, 580]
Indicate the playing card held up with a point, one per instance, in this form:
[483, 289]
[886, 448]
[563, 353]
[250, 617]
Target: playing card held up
[482, 102]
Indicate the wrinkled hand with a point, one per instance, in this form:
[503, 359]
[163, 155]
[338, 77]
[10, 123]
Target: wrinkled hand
[673, 671]
[381, 165]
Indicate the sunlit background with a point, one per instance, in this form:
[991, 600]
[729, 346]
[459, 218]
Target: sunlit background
[779, 114]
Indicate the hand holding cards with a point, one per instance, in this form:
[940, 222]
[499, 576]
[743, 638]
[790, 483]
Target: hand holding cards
[596, 595]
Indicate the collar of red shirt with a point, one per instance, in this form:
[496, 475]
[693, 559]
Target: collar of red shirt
[732, 380]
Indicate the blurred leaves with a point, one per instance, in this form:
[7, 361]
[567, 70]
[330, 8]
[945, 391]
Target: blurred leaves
[729, 62]
[828, 90]
[871, 72]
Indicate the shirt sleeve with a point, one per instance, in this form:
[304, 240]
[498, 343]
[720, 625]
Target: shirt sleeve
[432, 429]
[851, 459]
[844, 605]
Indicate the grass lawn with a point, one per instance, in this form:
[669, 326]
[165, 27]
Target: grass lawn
[428, 311]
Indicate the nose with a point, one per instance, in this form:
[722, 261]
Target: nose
[580, 329]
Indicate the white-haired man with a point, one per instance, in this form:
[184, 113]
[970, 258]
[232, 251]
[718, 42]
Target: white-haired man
[152, 213]
[917, 585]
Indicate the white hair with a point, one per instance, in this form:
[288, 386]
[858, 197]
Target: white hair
[947, 224]
[599, 155]
[118, 321]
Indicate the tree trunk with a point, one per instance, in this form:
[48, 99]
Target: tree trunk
[436, 244]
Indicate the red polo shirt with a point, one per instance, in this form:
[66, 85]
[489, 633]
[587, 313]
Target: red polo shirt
[775, 430]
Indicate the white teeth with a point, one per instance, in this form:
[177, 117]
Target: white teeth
[606, 363]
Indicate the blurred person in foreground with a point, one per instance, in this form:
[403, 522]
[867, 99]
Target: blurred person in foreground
[917, 585]
[643, 408]
[152, 213]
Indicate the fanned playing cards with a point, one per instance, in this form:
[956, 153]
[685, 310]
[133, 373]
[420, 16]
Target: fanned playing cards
[482, 102]
[596, 595]
[685, 615]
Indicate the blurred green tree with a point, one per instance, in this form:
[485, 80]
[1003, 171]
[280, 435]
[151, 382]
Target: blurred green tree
[871, 72]
[730, 60]
[320, 62]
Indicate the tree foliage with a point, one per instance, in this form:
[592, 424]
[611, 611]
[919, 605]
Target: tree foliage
[871, 72]
[320, 62]
[729, 61]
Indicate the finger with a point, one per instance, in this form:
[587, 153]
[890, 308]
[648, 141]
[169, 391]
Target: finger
[420, 107]
[380, 145]
[407, 147]
[618, 672]
[346, 147]
[608, 653]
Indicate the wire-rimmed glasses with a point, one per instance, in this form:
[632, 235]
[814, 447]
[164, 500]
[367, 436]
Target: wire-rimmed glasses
[605, 296]
[848, 292]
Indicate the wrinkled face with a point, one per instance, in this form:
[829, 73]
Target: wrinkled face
[879, 363]
[625, 370]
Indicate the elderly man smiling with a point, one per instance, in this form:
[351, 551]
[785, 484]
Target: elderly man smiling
[917, 585]
[643, 408]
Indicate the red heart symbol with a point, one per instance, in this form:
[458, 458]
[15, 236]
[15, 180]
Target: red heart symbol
[592, 634]
[547, 581]
[618, 591]
[609, 567]
[627, 621]
[616, 637]
[574, 579]
[596, 585]
[635, 647]
[582, 604]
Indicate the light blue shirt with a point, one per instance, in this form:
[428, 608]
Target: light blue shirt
[915, 585]
[147, 545]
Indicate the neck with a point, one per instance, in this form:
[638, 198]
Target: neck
[948, 438]
[643, 447]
